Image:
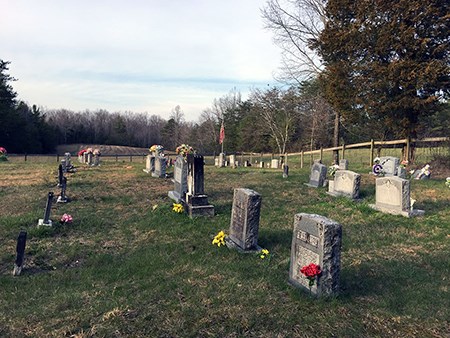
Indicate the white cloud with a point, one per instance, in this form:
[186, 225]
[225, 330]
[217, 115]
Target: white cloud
[136, 55]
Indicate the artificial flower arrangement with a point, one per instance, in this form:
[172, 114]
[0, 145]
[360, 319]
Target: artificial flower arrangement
[81, 152]
[65, 219]
[219, 239]
[311, 271]
[332, 170]
[3, 154]
[97, 152]
[377, 168]
[178, 208]
[184, 150]
[424, 173]
[404, 163]
[264, 253]
[156, 148]
[89, 150]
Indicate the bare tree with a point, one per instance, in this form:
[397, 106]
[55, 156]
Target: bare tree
[295, 24]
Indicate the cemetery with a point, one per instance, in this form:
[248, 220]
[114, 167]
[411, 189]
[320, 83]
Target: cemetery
[295, 259]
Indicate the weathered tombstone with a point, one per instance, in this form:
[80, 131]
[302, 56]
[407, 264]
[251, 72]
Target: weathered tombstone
[286, 171]
[261, 164]
[85, 157]
[343, 164]
[64, 165]
[180, 180]
[46, 220]
[247, 163]
[62, 198]
[390, 165]
[216, 161]
[20, 249]
[89, 160]
[401, 172]
[226, 163]
[318, 175]
[233, 161]
[60, 175]
[392, 196]
[221, 160]
[237, 164]
[275, 163]
[68, 160]
[244, 225]
[316, 240]
[96, 160]
[160, 167]
[150, 164]
[346, 183]
[196, 199]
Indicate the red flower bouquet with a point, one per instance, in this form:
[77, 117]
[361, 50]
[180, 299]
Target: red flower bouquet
[311, 271]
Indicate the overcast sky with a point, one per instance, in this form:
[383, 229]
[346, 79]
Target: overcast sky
[136, 55]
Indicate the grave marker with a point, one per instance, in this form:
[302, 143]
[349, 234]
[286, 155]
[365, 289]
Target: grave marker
[244, 225]
[20, 249]
[318, 175]
[62, 198]
[46, 220]
[346, 183]
[316, 239]
[160, 167]
[196, 200]
[286, 171]
[275, 163]
[343, 164]
[180, 180]
[390, 165]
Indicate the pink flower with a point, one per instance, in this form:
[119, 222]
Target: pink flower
[66, 218]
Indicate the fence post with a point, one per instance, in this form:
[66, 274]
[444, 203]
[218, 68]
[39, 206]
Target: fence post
[321, 153]
[343, 151]
[117, 158]
[25, 157]
[57, 157]
[301, 160]
[131, 158]
[251, 155]
[371, 152]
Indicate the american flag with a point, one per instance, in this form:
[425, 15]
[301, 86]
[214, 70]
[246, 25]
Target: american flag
[222, 134]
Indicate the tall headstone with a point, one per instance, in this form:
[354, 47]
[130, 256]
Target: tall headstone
[60, 175]
[160, 167]
[46, 220]
[244, 225]
[233, 161]
[20, 249]
[196, 199]
[318, 175]
[343, 164]
[150, 164]
[247, 163]
[62, 198]
[390, 165]
[346, 183]
[221, 160]
[96, 160]
[64, 165]
[180, 180]
[401, 172]
[286, 171]
[316, 239]
[275, 163]
[392, 196]
[261, 164]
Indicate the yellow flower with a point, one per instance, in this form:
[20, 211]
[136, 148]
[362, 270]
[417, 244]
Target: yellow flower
[265, 251]
[178, 208]
[262, 256]
[154, 207]
[219, 239]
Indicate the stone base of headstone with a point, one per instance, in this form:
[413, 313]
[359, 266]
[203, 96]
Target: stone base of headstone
[62, 199]
[232, 245]
[158, 175]
[146, 171]
[41, 223]
[198, 206]
[410, 213]
[17, 270]
[175, 196]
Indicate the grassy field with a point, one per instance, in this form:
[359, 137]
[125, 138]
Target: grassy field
[125, 268]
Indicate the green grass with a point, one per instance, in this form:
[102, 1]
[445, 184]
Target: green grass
[123, 269]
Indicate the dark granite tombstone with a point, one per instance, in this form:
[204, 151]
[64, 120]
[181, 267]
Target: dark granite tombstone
[196, 201]
[20, 249]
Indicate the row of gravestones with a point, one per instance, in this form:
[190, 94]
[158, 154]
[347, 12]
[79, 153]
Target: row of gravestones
[222, 161]
[316, 239]
[392, 193]
[89, 158]
[64, 167]
[156, 165]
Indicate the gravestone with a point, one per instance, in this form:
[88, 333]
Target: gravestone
[180, 180]
[160, 167]
[62, 198]
[346, 183]
[216, 161]
[46, 220]
[64, 165]
[401, 172]
[89, 158]
[96, 160]
[316, 239]
[149, 164]
[390, 165]
[196, 201]
[244, 223]
[20, 250]
[233, 161]
[318, 175]
[343, 164]
[275, 163]
[285, 171]
[392, 196]
[60, 175]
[247, 163]
[261, 164]
[221, 160]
